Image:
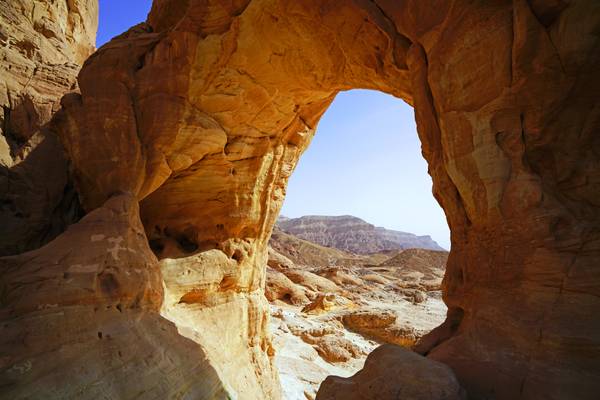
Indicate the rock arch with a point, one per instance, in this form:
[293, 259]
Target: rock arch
[201, 113]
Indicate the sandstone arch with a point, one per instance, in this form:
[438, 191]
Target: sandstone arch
[202, 112]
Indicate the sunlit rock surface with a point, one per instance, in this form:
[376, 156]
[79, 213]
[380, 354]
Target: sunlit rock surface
[93, 296]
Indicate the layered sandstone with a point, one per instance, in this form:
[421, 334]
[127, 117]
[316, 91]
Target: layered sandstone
[42, 47]
[353, 234]
[201, 114]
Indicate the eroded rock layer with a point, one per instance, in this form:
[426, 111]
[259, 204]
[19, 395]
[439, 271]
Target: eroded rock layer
[42, 47]
[81, 318]
[202, 112]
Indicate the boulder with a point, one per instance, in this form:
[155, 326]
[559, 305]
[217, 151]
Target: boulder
[392, 373]
[279, 287]
[381, 325]
[327, 302]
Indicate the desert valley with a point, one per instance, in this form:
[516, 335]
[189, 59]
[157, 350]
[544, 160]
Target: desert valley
[330, 308]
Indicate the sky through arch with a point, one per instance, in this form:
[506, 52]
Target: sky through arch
[365, 160]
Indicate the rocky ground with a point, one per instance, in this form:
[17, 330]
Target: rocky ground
[331, 308]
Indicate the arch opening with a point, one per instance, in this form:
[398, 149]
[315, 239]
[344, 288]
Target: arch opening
[363, 172]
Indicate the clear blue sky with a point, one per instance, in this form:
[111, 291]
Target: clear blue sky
[116, 16]
[365, 159]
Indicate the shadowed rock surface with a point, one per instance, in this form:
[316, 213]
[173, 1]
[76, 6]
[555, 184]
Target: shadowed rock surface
[42, 47]
[414, 377]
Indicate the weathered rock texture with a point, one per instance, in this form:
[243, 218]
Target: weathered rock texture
[42, 47]
[414, 377]
[380, 325]
[280, 287]
[353, 234]
[202, 112]
[81, 318]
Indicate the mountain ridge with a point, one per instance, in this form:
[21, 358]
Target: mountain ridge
[353, 234]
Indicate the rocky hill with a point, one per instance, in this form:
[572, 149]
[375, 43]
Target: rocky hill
[307, 253]
[352, 234]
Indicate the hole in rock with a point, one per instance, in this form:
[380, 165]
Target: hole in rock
[287, 298]
[365, 244]
[238, 256]
[228, 283]
[157, 246]
[108, 283]
[187, 245]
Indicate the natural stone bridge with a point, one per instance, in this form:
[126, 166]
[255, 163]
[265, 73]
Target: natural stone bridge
[182, 139]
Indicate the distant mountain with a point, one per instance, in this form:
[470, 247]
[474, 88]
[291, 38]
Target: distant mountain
[352, 234]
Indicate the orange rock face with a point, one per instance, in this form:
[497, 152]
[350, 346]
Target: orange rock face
[42, 48]
[202, 112]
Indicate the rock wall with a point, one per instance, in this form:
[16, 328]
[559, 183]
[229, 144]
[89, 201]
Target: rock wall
[80, 318]
[202, 112]
[505, 109]
[42, 47]
[81, 315]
